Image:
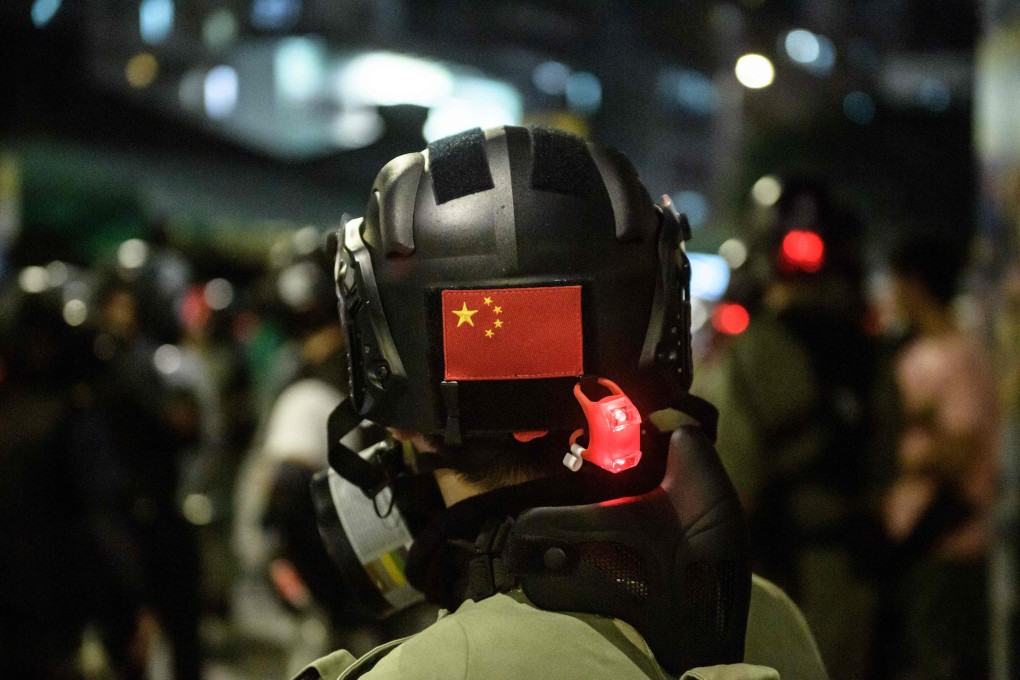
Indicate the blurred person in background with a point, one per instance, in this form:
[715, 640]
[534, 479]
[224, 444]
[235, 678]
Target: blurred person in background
[214, 368]
[798, 427]
[127, 446]
[277, 537]
[46, 558]
[939, 507]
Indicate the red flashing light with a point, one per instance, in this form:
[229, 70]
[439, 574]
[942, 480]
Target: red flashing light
[730, 318]
[620, 464]
[803, 251]
[614, 429]
[619, 419]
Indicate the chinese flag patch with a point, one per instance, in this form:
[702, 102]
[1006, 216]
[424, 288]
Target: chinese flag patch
[513, 333]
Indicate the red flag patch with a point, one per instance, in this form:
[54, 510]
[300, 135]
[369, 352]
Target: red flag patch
[513, 333]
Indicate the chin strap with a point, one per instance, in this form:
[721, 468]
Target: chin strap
[371, 479]
[383, 465]
[702, 411]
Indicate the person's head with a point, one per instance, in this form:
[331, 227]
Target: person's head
[301, 292]
[118, 310]
[925, 269]
[138, 289]
[42, 338]
[488, 274]
[806, 252]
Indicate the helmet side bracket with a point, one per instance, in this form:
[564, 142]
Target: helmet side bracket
[667, 346]
[377, 371]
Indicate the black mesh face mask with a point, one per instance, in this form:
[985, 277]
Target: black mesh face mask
[673, 562]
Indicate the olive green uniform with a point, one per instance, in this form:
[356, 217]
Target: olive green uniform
[505, 637]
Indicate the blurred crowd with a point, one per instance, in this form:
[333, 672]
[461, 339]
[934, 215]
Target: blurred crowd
[158, 430]
[860, 422]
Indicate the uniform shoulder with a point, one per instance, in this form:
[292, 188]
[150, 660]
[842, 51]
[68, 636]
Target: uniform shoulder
[778, 635]
[501, 637]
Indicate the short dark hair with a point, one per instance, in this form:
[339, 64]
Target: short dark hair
[501, 460]
[935, 260]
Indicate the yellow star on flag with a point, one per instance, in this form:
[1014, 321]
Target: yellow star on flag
[487, 301]
[464, 315]
[497, 310]
[489, 333]
[498, 324]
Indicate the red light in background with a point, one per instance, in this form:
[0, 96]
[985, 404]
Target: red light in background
[803, 250]
[195, 313]
[730, 318]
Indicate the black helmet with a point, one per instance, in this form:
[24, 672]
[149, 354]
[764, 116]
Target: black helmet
[557, 235]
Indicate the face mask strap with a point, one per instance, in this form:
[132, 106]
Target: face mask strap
[347, 463]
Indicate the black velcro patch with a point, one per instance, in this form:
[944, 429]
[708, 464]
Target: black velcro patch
[458, 166]
[561, 163]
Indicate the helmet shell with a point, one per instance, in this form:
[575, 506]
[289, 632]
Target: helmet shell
[510, 208]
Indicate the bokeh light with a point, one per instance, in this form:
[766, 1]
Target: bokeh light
[551, 77]
[155, 20]
[754, 71]
[802, 46]
[56, 274]
[584, 92]
[141, 70]
[388, 79]
[710, 275]
[767, 190]
[43, 11]
[220, 90]
[734, 251]
[132, 254]
[274, 15]
[167, 359]
[33, 279]
[75, 312]
[218, 294]
[730, 318]
[803, 250]
[219, 29]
